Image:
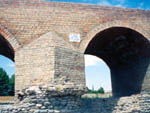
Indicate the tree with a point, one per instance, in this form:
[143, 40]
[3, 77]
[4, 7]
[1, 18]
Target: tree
[101, 90]
[4, 83]
[11, 85]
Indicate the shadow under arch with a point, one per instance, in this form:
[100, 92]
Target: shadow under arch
[8, 36]
[116, 23]
[126, 52]
[6, 49]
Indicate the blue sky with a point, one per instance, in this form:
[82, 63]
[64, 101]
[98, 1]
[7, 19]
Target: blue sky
[7, 65]
[140, 4]
[97, 72]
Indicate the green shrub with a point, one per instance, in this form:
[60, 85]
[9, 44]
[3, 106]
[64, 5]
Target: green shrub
[100, 90]
[6, 84]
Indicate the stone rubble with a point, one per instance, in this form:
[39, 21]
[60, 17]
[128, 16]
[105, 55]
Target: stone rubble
[48, 100]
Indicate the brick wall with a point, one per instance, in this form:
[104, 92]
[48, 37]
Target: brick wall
[26, 25]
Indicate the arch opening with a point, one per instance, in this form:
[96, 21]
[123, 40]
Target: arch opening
[97, 76]
[6, 69]
[126, 52]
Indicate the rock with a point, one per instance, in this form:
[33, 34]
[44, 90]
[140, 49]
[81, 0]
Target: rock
[33, 90]
[43, 111]
[39, 105]
[46, 104]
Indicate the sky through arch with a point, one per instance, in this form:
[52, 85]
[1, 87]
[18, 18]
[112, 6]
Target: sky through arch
[8, 65]
[97, 73]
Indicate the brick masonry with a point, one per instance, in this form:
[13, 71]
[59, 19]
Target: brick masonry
[22, 24]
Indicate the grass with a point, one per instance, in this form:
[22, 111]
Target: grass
[97, 95]
[6, 98]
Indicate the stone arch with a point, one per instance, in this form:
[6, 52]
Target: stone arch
[9, 37]
[107, 25]
[126, 52]
[9, 44]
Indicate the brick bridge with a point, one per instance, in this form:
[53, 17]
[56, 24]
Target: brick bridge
[48, 40]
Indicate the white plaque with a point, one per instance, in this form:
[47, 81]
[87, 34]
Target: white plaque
[74, 37]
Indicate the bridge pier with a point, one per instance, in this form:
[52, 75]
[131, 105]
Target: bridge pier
[49, 64]
[51, 78]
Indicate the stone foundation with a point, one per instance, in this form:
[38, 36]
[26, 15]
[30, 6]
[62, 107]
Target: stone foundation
[46, 100]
